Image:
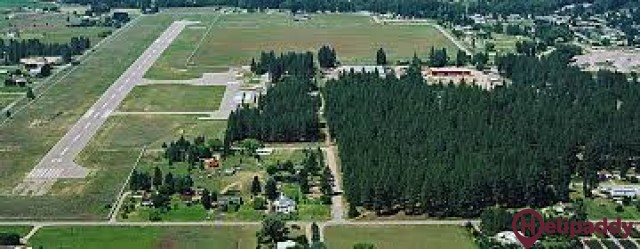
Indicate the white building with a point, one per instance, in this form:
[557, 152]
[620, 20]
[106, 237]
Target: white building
[507, 238]
[286, 244]
[284, 205]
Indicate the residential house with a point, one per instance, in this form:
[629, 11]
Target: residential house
[286, 244]
[284, 205]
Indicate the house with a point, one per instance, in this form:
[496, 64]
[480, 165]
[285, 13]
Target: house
[449, 72]
[286, 244]
[621, 191]
[284, 205]
[229, 199]
[211, 163]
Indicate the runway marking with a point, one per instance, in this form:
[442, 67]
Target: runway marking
[112, 96]
[104, 105]
[76, 137]
[97, 114]
[89, 112]
[87, 125]
[121, 87]
[64, 151]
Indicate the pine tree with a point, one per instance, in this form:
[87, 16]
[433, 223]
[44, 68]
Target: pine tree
[381, 57]
[256, 187]
[206, 199]
[30, 93]
[271, 189]
[157, 177]
[315, 232]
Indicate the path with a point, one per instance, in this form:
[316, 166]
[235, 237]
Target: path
[59, 163]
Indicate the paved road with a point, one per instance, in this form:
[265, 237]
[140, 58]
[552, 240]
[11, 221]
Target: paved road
[59, 163]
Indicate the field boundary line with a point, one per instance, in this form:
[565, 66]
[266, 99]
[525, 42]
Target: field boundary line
[83, 58]
[121, 195]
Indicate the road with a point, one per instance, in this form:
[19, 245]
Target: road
[59, 163]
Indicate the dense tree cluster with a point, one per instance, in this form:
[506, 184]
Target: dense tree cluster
[445, 150]
[183, 150]
[292, 64]
[14, 50]
[327, 57]
[287, 113]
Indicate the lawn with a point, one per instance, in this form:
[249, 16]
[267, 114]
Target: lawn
[22, 230]
[599, 208]
[235, 38]
[173, 98]
[33, 131]
[145, 237]
[392, 237]
[10, 4]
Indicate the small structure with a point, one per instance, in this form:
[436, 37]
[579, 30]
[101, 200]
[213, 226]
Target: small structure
[286, 244]
[507, 238]
[284, 205]
[264, 151]
[621, 191]
[212, 163]
[230, 171]
[229, 200]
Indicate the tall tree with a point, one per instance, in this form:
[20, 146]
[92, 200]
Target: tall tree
[381, 57]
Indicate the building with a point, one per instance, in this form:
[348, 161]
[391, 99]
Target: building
[284, 205]
[449, 72]
[458, 75]
[34, 65]
[507, 238]
[621, 191]
[264, 151]
[286, 244]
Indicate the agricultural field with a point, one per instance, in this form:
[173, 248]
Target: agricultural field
[401, 236]
[145, 237]
[51, 27]
[233, 39]
[173, 98]
[33, 131]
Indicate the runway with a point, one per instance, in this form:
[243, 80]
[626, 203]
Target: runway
[59, 163]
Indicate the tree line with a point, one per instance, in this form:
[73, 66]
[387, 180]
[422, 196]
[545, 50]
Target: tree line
[287, 113]
[291, 64]
[14, 50]
[451, 151]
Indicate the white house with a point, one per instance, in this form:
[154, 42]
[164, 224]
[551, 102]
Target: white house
[286, 244]
[507, 238]
[284, 205]
[264, 151]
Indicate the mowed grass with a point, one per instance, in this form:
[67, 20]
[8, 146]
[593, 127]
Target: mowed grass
[173, 98]
[7, 99]
[10, 4]
[145, 237]
[599, 208]
[398, 236]
[236, 38]
[22, 230]
[33, 131]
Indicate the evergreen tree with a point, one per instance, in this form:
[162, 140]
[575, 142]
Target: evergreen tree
[271, 189]
[381, 57]
[256, 186]
[157, 177]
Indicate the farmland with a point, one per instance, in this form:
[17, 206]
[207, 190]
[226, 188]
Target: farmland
[233, 39]
[405, 237]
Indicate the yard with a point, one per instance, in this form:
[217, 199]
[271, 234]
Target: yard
[173, 98]
[398, 236]
[22, 230]
[599, 208]
[145, 237]
[233, 39]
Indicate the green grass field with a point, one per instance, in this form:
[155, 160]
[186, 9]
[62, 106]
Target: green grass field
[173, 98]
[145, 237]
[7, 99]
[600, 208]
[22, 230]
[235, 38]
[395, 237]
[32, 132]
[11, 4]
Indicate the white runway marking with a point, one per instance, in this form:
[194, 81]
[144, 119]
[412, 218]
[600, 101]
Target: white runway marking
[76, 137]
[87, 125]
[104, 105]
[64, 151]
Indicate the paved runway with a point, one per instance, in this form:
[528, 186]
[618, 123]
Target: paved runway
[59, 163]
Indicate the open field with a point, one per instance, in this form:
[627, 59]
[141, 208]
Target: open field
[32, 132]
[6, 99]
[600, 208]
[145, 237]
[235, 38]
[22, 230]
[173, 98]
[51, 27]
[405, 237]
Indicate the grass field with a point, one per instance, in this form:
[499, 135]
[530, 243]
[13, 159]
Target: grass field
[392, 237]
[51, 27]
[22, 230]
[11, 4]
[235, 38]
[173, 98]
[7, 99]
[32, 132]
[145, 237]
[600, 208]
